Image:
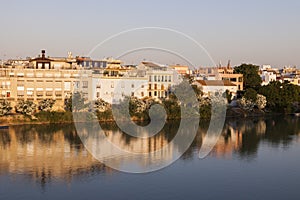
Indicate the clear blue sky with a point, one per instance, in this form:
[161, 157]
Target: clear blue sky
[260, 32]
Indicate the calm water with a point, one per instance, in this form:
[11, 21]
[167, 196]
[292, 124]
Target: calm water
[253, 159]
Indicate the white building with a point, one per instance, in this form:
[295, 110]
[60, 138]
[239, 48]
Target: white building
[267, 77]
[210, 87]
[146, 80]
[160, 79]
[113, 89]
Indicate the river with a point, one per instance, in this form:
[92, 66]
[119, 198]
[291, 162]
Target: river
[255, 158]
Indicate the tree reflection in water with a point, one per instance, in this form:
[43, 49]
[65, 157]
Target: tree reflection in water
[46, 152]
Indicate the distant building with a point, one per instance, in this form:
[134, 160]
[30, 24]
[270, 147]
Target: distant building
[160, 79]
[210, 87]
[267, 77]
[43, 77]
[220, 73]
[113, 89]
[181, 69]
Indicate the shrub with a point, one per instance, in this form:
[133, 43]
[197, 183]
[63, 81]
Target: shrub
[261, 101]
[26, 107]
[5, 107]
[46, 104]
[101, 106]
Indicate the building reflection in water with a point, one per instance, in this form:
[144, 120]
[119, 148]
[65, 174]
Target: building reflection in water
[45, 152]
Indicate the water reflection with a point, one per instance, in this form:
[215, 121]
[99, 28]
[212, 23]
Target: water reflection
[46, 152]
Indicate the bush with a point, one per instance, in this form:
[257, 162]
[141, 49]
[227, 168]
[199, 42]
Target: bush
[5, 107]
[261, 101]
[46, 104]
[101, 106]
[54, 117]
[26, 107]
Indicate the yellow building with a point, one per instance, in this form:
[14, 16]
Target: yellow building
[181, 69]
[43, 78]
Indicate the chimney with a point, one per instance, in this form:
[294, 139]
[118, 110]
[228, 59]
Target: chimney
[43, 53]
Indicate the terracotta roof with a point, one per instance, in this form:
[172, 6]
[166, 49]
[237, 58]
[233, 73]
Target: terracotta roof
[215, 83]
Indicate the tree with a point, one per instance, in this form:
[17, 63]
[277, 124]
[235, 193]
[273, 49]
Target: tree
[5, 107]
[250, 94]
[75, 102]
[26, 107]
[46, 104]
[228, 95]
[281, 96]
[250, 74]
[261, 101]
[101, 105]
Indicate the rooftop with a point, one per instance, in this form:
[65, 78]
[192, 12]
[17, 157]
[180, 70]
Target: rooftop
[215, 83]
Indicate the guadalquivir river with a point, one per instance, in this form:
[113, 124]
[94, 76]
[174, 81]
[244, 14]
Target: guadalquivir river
[253, 159]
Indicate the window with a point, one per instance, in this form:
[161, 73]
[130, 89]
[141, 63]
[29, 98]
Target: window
[67, 85]
[150, 78]
[76, 84]
[85, 84]
[112, 84]
[58, 93]
[150, 94]
[162, 78]
[132, 94]
[20, 93]
[169, 78]
[155, 78]
[155, 86]
[29, 92]
[149, 86]
[142, 86]
[142, 94]
[98, 94]
[158, 78]
[20, 83]
[39, 75]
[155, 93]
[39, 93]
[132, 85]
[29, 74]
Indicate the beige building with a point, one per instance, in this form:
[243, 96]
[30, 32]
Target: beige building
[210, 87]
[222, 73]
[44, 78]
[160, 79]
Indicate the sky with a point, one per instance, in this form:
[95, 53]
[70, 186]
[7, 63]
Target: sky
[258, 32]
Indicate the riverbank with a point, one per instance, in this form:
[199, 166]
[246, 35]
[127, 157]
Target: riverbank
[67, 117]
